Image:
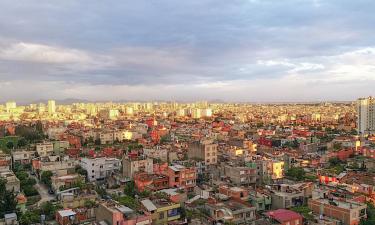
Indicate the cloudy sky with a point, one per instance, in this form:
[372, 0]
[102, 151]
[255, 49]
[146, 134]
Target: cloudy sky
[233, 50]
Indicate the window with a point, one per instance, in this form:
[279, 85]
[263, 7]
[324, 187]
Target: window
[161, 215]
[287, 223]
[297, 222]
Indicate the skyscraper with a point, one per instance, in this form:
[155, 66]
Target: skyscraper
[51, 107]
[366, 115]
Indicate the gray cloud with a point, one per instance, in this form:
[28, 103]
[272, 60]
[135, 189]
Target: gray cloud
[204, 46]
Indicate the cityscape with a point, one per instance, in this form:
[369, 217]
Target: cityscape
[200, 112]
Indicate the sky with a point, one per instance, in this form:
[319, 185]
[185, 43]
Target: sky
[229, 50]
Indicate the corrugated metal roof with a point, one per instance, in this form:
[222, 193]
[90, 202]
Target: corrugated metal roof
[148, 204]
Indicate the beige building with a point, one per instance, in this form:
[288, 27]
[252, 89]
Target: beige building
[346, 212]
[13, 183]
[131, 166]
[44, 149]
[205, 150]
[240, 175]
[22, 156]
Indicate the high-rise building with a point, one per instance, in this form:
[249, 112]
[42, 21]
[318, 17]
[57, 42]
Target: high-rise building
[51, 107]
[366, 115]
[10, 105]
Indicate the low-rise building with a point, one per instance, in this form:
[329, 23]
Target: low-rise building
[113, 213]
[131, 166]
[240, 175]
[182, 177]
[205, 150]
[66, 181]
[234, 192]
[151, 182]
[44, 149]
[232, 211]
[285, 197]
[349, 213]
[22, 156]
[162, 211]
[261, 201]
[100, 168]
[284, 217]
[12, 182]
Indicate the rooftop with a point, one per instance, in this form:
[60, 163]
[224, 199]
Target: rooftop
[283, 215]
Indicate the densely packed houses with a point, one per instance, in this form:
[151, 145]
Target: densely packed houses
[186, 163]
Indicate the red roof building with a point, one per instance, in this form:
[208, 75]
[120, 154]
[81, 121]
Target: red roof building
[285, 217]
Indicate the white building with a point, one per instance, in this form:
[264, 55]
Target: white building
[51, 107]
[10, 105]
[100, 168]
[366, 115]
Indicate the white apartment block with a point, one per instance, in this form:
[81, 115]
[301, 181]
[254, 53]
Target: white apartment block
[366, 115]
[100, 168]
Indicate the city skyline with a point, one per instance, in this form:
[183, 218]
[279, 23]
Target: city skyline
[232, 51]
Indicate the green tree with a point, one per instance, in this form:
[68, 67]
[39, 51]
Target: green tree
[129, 189]
[129, 202]
[22, 175]
[30, 217]
[46, 178]
[29, 190]
[10, 145]
[337, 146]
[28, 182]
[295, 173]
[304, 211]
[8, 201]
[101, 191]
[21, 142]
[370, 220]
[89, 203]
[49, 209]
[145, 194]
[334, 161]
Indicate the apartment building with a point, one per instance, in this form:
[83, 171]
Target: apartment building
[232, 211]
[205, 150]
[240, 175]
[366, 115]
[44, 149]
[113, 213]
[162, 211]
[58, 167]
[22, 156]
[100, 168]
[65, 181]
[12, 182]
[182, 177]
[285, 197]
[234, 192]
[131, 166]
[349, 213]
